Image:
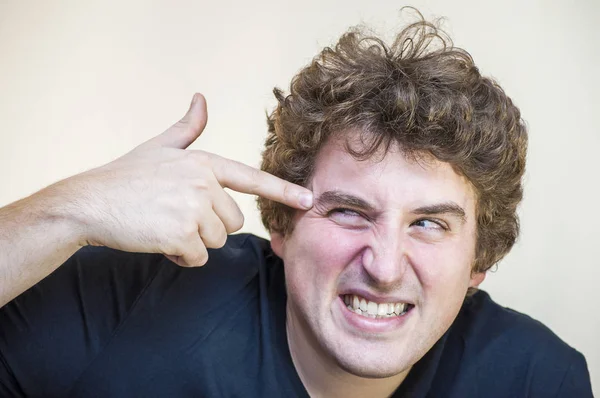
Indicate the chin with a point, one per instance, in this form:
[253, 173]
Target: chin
[374, 365]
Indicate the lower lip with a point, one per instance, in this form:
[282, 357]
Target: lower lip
[372, 325]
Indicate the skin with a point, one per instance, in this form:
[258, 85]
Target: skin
[386, 227]
[158, 198]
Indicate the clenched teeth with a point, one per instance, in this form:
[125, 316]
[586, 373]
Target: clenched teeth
[372, 309]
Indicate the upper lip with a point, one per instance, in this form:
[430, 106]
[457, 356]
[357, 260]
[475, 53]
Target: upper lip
[377, 298]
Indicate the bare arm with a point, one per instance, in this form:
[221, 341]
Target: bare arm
[159, 198]
[35, 238]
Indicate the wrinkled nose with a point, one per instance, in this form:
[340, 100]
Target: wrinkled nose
[386, 260]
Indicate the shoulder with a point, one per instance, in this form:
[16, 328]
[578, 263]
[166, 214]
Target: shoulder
[510, 351]
[485, 324]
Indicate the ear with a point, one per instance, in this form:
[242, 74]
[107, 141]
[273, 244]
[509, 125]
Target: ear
[477, 278]
[277, 243]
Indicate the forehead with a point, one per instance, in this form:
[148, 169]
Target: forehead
[388, 177]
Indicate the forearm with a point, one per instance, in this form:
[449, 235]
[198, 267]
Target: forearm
[36, 236]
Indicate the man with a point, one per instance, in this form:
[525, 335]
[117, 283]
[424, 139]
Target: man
[390, 182]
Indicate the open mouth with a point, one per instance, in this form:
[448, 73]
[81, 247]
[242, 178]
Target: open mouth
[371, 309]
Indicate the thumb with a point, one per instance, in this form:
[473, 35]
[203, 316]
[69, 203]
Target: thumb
[185, 131]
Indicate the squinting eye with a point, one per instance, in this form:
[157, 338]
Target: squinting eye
[347, 217]
[344, 213]
[429, 224]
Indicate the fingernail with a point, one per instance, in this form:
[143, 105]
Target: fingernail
[306, 200]
[194, 99]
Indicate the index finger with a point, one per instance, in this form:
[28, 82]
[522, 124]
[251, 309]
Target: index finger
[246, 179]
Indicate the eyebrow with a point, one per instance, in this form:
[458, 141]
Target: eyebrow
[339, 198]
[449, 208]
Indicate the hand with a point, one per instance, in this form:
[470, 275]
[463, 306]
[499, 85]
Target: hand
[160, 198]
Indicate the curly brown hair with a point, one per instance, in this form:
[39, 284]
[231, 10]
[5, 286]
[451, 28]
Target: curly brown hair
[423, 94]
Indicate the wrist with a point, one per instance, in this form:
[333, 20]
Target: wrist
[61, 206]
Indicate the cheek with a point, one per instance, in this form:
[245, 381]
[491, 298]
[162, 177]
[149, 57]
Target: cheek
[444, 274]
[442, 269]
[322, 253]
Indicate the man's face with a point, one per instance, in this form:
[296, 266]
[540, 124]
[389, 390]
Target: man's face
[384, 237]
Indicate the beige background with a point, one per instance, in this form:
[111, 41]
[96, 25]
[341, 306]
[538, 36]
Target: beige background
[82, 82]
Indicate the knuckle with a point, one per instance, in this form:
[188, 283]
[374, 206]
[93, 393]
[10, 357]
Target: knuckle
[203, 259]
[216, 239]
[287, 193]
[211, 242]
[185, 228]
[254, 187]
[203, 180]
[201, 184]
[177, 260]
[197, 206]
[237, 222]
[195, 261]
[194, 205]
[170, 248]
[201, 160]
[187, 130]
[192, 209]
[200, 256]
[183, 263]
[188, 230]
[221, 240]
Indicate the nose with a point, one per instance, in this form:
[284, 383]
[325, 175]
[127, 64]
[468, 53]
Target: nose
[386, 260]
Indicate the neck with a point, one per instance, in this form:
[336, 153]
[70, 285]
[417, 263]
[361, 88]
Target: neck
[321, 374]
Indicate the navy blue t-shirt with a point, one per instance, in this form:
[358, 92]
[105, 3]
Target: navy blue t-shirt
[114, 324]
